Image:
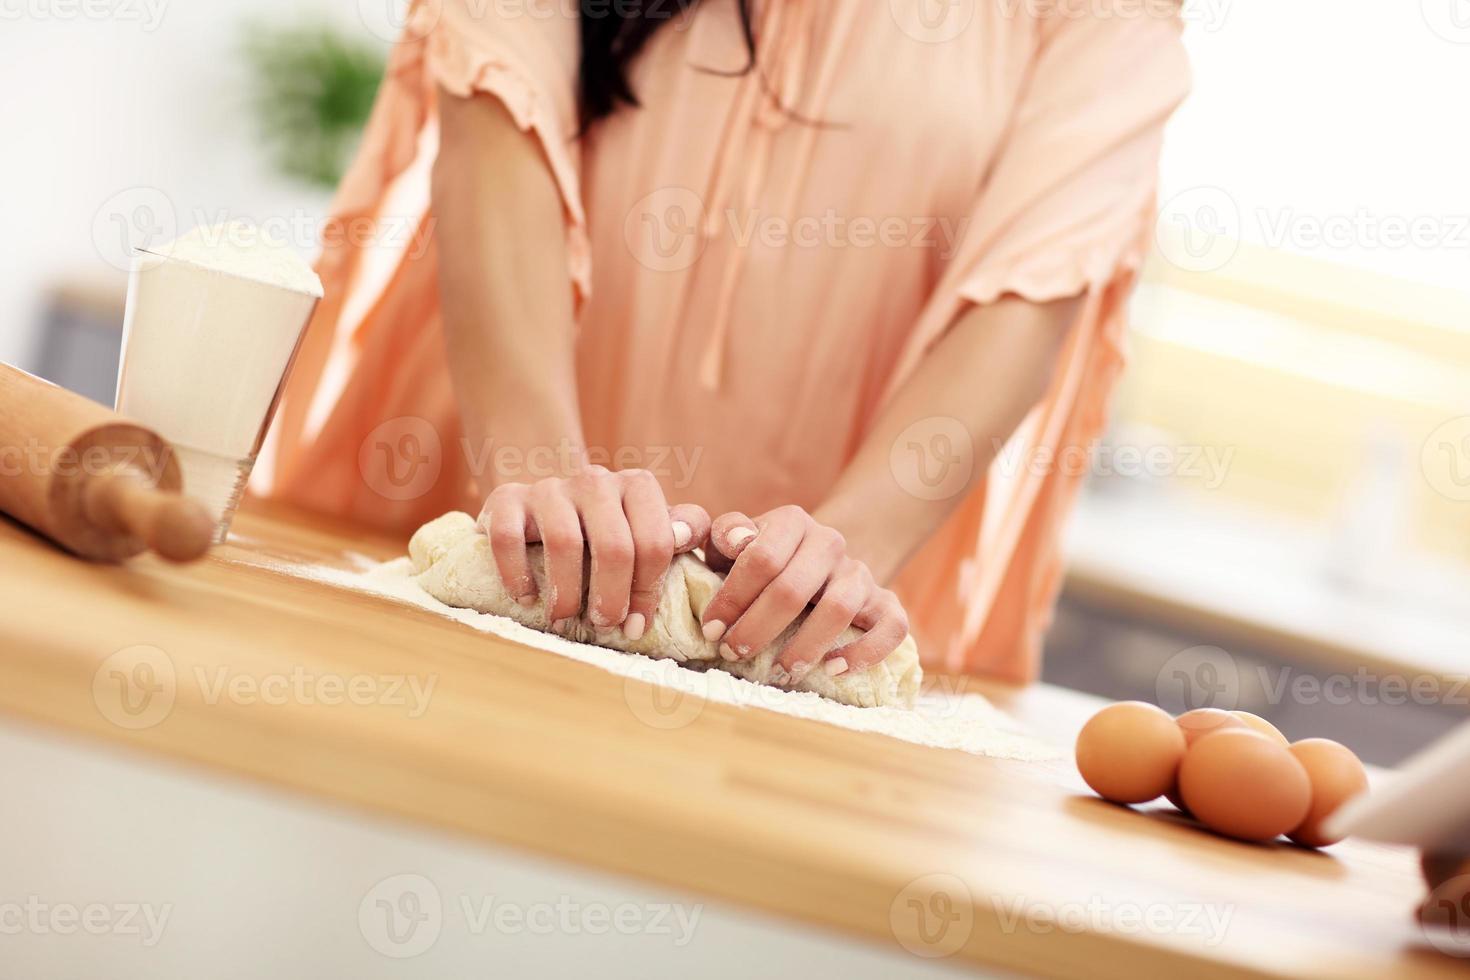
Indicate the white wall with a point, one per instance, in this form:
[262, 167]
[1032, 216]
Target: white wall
[1333, 115]
[116, 117]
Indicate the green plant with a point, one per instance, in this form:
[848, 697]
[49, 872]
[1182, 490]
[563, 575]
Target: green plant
[311, 91]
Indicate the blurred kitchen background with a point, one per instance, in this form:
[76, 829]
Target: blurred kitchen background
[1279, 519]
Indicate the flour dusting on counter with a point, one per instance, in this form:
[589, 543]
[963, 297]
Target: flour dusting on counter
[942, 719]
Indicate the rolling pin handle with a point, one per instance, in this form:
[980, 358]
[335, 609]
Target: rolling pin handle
[175, 526]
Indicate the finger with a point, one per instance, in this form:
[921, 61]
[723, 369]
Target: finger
[842, 599]
[890, 625]
[787, 596]
[505, 517]
[560, 532]
[691, 526]
[610, 541]
[761, 559]
[653, 548]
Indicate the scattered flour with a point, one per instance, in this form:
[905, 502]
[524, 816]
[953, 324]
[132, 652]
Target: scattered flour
[943, 719]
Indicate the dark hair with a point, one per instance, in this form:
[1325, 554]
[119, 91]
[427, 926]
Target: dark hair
[614, 32]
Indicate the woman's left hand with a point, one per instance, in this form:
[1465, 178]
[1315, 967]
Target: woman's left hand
[781, 562]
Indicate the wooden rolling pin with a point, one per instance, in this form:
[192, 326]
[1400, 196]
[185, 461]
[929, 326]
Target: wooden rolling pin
[89, 479]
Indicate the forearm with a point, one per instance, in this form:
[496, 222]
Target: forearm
[977, 383]
[504, 294]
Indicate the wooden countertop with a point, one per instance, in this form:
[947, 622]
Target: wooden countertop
[1013, 865]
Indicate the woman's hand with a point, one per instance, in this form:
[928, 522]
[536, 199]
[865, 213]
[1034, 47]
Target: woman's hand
[622, 520]
[783, 561]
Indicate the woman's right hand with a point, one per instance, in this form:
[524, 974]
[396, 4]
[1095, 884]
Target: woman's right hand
[622, 520]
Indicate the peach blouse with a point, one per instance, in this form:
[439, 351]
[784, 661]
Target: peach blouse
[758, 260]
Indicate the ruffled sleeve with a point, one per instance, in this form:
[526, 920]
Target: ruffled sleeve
[524, 53]
[1064, 210]
[373, 353]
[1066, 204]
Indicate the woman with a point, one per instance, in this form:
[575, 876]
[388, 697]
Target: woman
[806, 265]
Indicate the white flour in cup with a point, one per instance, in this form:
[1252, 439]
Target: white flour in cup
[212, 321]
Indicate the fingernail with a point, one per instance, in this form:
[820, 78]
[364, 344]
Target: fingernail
[682, 534]
[560, 625]
[835, 666]
[739, 536]
[779, 676]
[713, 630]
[800, 669]
[527, 600]
[633, 626]
[727, 653]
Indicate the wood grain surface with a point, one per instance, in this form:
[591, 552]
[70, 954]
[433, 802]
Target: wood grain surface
[1004, 864]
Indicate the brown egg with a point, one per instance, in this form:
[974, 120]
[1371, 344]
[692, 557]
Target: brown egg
[1243, 784]
[1201, 721]
[1129, 752]
[1336, 775]
[1261, 725]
